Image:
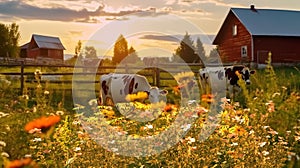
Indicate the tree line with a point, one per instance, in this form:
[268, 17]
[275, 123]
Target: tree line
[188, 51]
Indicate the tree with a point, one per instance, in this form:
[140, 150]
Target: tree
[213, 56]
[78, 49]
[200, 51]
[120, 49]
[132, 56]
[9, 39]
[90, 52]
[186, 50]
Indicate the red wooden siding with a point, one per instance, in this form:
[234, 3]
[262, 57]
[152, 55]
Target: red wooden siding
[283, 49]
[229, 45]
[33, 51]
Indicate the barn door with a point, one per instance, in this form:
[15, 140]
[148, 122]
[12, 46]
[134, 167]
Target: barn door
[262, 57]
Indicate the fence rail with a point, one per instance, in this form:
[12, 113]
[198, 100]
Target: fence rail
[155, 74]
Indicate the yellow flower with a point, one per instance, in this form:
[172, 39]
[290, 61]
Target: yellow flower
[224, 129]
[237, 130]
[138, 96]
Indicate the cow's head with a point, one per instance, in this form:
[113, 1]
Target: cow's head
[246, 74]
[155, 94]
[232, 76]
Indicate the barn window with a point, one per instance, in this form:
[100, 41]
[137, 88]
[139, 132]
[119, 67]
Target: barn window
[234, 30]
[244, 51]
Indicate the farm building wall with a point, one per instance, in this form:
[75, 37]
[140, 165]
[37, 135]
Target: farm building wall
[283, 49]
[230, 46]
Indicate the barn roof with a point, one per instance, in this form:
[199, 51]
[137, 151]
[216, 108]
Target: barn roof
[269, 22]
[48, 42]
[24, 46]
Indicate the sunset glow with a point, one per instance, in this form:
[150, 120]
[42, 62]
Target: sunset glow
[146, 25]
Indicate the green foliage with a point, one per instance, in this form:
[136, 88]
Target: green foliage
[78, 49]
[132, 56]
[9, 39]
[200, 50]
[120, 49]
[90, 52]
[264, 132]
[188, 52]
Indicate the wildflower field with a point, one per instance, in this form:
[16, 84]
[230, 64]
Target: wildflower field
[259, 127]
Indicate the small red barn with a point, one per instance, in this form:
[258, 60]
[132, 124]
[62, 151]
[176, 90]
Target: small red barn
[248, 34]
[43, 48]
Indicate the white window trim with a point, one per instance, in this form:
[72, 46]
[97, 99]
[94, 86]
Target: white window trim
[234, 30]
[244, 51]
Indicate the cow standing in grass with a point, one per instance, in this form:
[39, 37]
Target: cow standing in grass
[224, 78]
[115, 88]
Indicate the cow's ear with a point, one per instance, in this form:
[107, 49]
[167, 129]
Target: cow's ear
[252, 72]
[163, 92]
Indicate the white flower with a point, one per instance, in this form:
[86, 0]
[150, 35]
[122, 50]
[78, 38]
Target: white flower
[46, 92]
[28, 156]
[149, 126]
[234, 144]
[2, 114]
[111, 142]
[59, 113]
[265, 127]
[4, 154]
[2, 143]
[262, 144]
[77, 149]
[191, 102]
[191, 140]
[114, 149]
[26, 97]
[93, 102]
[37, 140]
[186, 127]
[34, 109]
[251, 132]
[37, 72]
[276, 94]
[265, 153]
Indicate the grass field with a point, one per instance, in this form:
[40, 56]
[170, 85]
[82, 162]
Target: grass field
[259, 128]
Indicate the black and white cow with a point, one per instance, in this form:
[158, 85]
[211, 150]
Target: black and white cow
[115, 88]
[219, 78]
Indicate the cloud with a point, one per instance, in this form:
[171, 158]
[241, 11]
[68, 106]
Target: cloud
[206, 39]
[161, 38]
[22, 10]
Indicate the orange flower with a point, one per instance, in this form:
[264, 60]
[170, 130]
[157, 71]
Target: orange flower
[176, 89]
[168, 108]
[22, 163]
[43, 123]
[208, 98]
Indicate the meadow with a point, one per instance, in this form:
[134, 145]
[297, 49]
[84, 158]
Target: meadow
[260, 127]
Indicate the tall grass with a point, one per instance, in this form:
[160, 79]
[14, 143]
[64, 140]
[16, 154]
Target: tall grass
[259, 129]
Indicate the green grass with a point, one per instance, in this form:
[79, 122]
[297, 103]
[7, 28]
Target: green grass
[261, 131]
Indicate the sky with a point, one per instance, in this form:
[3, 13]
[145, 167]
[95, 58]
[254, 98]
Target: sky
[152, 27]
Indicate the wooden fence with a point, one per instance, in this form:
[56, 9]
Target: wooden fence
[154, 74]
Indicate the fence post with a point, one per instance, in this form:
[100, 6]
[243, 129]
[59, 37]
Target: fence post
[157, 76]
[22, 77]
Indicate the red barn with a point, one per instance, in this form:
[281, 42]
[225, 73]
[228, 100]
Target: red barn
[248, 34]
[43, 48]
